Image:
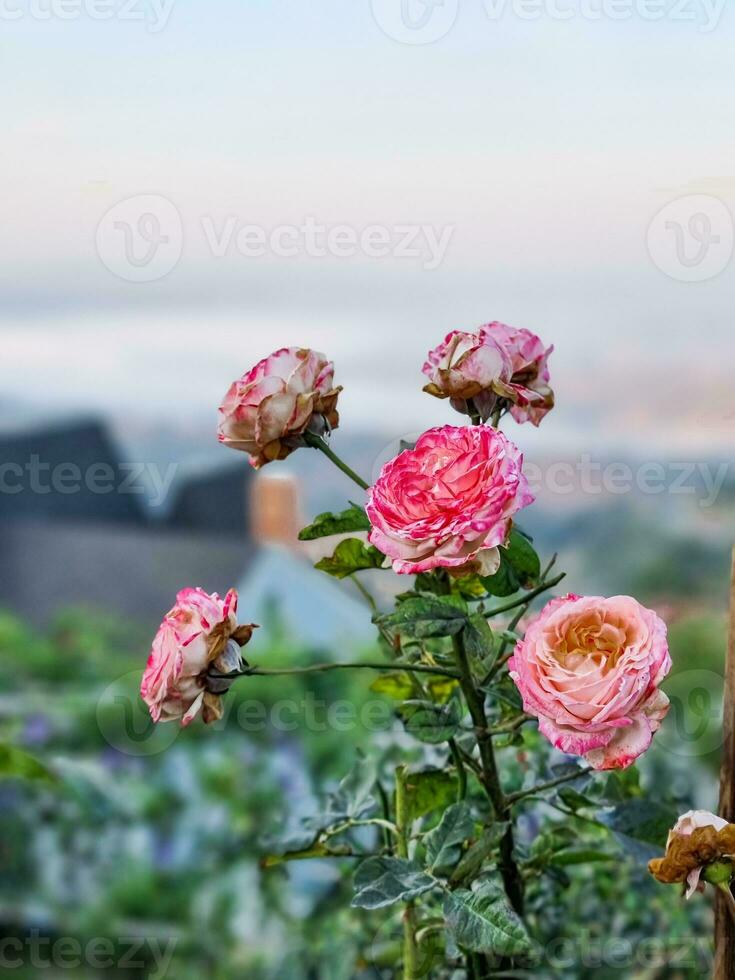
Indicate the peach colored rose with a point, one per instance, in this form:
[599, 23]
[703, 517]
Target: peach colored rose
[527, 389]
[589, 668]
[449, 501]
[468, 367]
[267, 411]
[200, 632]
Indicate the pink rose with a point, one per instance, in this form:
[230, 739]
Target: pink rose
[589, 669]
[527, 389]
[200, 631]
[449, 501]
[267, 411]
[468, 367]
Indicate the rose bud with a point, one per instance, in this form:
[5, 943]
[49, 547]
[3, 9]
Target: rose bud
[468, 369]
[267, 412]
[448, 502]
[696, 845]
[589, 669]
[198, 641]
[527, 389]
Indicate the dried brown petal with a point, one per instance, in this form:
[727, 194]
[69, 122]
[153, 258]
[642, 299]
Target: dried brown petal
[686, 852]
[212, 709]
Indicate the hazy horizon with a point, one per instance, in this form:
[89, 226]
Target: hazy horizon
[531, 158]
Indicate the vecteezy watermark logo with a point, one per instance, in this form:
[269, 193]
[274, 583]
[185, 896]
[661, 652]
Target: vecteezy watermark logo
[40, 477]
[426, 243]
[125, 723]
[652, 956]
[706, 14]
[691, 238]
[583, 476]
[125, 953]
[693, 727]
[141, 238]
[153, 13]
[415, 21]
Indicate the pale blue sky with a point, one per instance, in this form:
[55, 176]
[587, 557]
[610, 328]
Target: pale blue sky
[546, 146]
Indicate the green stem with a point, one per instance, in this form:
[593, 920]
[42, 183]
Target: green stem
[364, 592]
[316, 442]
[482, 729]
[495, 419]
[491, 777]
[506, 727]
[513, 798]
[461, 771]
[273, 860]
[525, 599]
[546, 572]
[385, 807]
[475, 417]
[503, 657]
[403, 823]
[571, 814]
[729, 899]
[323, 668]
[387, 825]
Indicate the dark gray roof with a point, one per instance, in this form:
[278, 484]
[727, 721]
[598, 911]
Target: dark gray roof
[214, 500]
[133, 572]
[68, 471]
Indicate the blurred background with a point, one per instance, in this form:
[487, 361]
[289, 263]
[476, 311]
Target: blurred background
[187, 187]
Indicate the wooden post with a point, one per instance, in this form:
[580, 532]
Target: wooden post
[724, 926]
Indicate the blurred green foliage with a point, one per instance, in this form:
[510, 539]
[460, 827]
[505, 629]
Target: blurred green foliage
[158, 834]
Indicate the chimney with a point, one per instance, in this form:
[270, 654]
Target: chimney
[275, 515]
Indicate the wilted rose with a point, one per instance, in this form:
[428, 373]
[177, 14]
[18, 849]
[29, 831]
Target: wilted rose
[696, 840]
[527, 389]
[199, 634]
[470, 369]
[589, 668]
[449, 501]
[267, 411]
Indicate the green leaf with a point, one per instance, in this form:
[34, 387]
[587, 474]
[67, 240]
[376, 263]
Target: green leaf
[397, 686]
[444, 843]
[296, 841]
[324, 525]
[427, 616]
[641, 820]
[14, 763]
[383, 881]
[621, 785]
[476, 856]
[429, 722]
[480, 643]
[318, 850]
[574, 855]
[429, 790]
[483, 922]
[550, 841]
[574, 800]
[350, 555]
[353, 798]
[442, 688]
[468, 586]
[520, 567]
